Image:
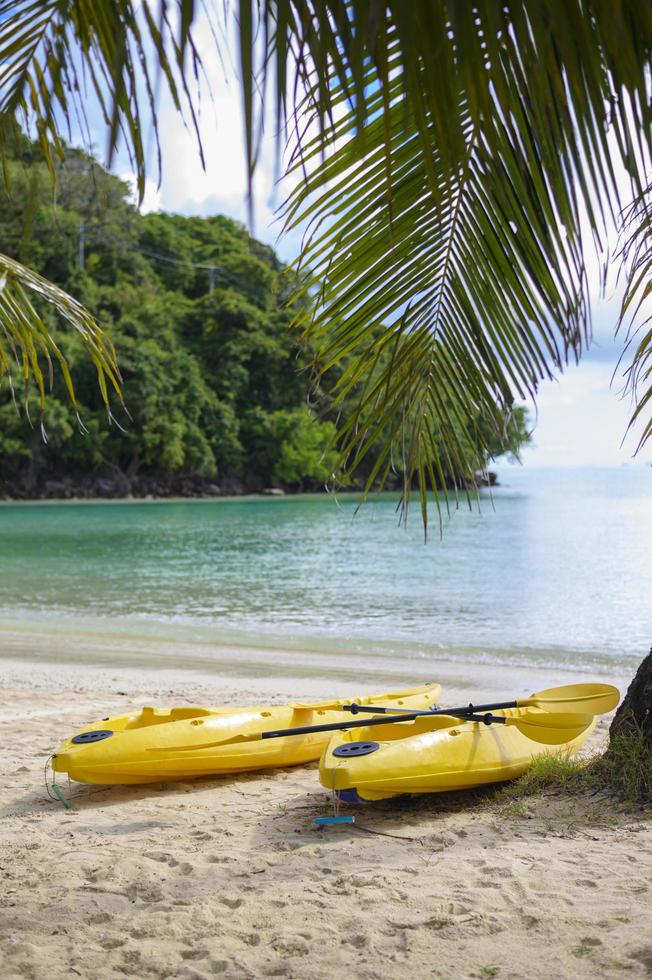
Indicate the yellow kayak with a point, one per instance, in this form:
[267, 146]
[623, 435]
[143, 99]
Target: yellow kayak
[158, 745]
[432, 755]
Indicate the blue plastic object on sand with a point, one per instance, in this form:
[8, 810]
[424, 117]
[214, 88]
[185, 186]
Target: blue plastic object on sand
[324, 821]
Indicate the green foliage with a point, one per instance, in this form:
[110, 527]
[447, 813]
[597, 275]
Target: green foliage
[549, 771]
[214, 380]
[301, 441]
[624, 770]
[194, 362]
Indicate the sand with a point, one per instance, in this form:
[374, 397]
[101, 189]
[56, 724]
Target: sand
[229, 877]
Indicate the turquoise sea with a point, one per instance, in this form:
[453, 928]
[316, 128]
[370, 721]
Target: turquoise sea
[551, 568]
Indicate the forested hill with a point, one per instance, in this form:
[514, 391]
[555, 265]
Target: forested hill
[196, 309]
[215, 382]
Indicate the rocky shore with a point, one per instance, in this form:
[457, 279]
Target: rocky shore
[120, 486]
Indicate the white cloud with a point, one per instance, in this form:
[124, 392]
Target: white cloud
[221, 186]
[582, 421]
[152, 197]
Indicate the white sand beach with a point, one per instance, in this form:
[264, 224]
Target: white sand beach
[230, 877]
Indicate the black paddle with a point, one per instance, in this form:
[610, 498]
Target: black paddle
[550, 729]
[589, 699]
[555, 726]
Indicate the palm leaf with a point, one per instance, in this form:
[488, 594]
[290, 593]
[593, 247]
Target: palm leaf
[27, 349]
[470, 255]
[60, 57]
[636, 256]
[57, 57]
[445, 204]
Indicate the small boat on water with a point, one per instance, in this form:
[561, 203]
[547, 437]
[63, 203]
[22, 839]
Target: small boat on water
[441, 753]
[158, 745]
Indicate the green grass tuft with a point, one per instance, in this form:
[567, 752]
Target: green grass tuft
[552, 771]
[624, 771]
[581, 951]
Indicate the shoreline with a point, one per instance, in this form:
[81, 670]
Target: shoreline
[62, 492]
[181, 499]
[206, 491]
[210, 644]
[64, 675]
[255, 497]
[297, 670]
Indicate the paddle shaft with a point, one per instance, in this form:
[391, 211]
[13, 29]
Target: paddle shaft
[366, 722]
[468, 709]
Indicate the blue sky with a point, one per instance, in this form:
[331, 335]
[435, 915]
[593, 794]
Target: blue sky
[581, 417]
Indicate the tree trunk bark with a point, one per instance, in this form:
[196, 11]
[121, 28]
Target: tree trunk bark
[635, 713]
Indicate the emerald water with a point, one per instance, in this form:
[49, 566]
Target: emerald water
[553, 570]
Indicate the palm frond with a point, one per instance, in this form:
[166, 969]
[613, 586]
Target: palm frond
[462, 293]
[576, 71]
[28, 351]
[61, 61]
[446, 202]
[636, 256]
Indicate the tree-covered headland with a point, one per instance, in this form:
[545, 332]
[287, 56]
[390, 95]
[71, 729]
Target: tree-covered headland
[217, 385]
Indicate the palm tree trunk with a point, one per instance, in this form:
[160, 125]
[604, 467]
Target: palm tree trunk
[635, 713]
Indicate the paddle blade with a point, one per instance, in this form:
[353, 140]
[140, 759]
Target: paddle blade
[553, 729]
[590, 699]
